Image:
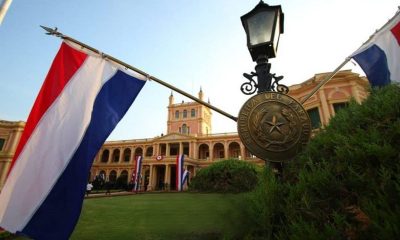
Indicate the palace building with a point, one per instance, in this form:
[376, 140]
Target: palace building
[189, 132]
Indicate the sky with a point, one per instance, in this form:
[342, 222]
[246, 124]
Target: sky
[187, 43]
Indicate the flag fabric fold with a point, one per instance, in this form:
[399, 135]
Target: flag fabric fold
[179, 171]
[185, 177]
[81, 100]
[380, 56]
[137, 172]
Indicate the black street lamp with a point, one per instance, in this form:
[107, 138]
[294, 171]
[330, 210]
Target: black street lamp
[263, 25]
[272, 125]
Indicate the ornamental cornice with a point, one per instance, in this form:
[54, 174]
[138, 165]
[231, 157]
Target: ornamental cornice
[12, 124]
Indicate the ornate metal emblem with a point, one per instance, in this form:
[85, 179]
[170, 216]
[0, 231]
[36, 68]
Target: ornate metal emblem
[273, 126]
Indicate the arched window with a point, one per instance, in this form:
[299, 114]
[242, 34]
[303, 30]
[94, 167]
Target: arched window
[184, 113]
[176, 114]
[193, 113]
[124, 176]
[127, 155]
[138, 152]
[234, 150]
[219, 151]
[115, 156]
[105, 155]
[149, 152]
[204, 151]
[113, 176]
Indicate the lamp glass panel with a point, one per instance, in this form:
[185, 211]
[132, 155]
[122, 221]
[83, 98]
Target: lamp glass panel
[277, 33]
[260, 27]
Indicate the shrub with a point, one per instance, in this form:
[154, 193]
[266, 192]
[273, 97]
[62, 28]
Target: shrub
[346, 184]
[226, 176]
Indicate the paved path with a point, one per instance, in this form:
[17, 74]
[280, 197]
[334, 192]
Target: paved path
[113, 194]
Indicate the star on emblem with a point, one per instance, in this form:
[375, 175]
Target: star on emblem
[275, 125]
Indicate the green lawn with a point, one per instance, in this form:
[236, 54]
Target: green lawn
[162, 216]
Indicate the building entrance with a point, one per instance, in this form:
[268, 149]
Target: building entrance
[172, 179]
[160, 176]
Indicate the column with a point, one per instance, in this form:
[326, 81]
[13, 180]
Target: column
[324, 107]
[132, 157]
[195, 151]
[16, 137]
[180, 148]
[167, 184]
[110, 153]
[190, 149]
[121, 153]
[211, 151]
[226, 150]
[150, 186]
[242, 152]
[6, 166]
[355, 92]
[155, 150]
[167, 150]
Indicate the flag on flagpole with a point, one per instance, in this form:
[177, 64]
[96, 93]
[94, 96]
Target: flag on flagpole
[380, 56]
[137, 172]
[179, 171]
[185, 177]
[82, 99]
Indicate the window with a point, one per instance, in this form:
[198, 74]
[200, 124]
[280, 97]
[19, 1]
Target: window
[184, 113]
[339, 106]
[176, 114]
[2, 143]
[115, 157]
[149, 152]
[104, 156]
[314, 117]
[193, 113]
[127, 154]
[184, 129]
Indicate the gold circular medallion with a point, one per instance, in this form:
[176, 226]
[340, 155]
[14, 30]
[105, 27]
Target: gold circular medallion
[273, 126]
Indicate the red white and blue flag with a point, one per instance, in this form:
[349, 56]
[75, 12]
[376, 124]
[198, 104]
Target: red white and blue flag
[380, 56]
[82, 99]
[185, 177]
[179, 171]
[137, 172]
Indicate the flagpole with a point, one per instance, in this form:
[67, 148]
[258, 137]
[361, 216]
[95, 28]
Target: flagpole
[323, 82]
[3, 9]
[54, 32]
[379, 30]
[330, 76]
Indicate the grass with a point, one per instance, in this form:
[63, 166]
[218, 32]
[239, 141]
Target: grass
[162, 216]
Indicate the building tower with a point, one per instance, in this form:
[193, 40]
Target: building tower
[189, 117]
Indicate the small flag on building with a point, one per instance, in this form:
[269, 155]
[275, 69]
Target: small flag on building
[179, 171]
[380, 56]
[137, 173]
[81, 101]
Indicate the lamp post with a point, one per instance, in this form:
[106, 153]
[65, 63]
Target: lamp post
[263, 26]
[272, 125]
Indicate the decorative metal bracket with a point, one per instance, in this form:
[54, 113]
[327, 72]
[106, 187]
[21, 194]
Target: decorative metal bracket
[251, 86]
[275, 86]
